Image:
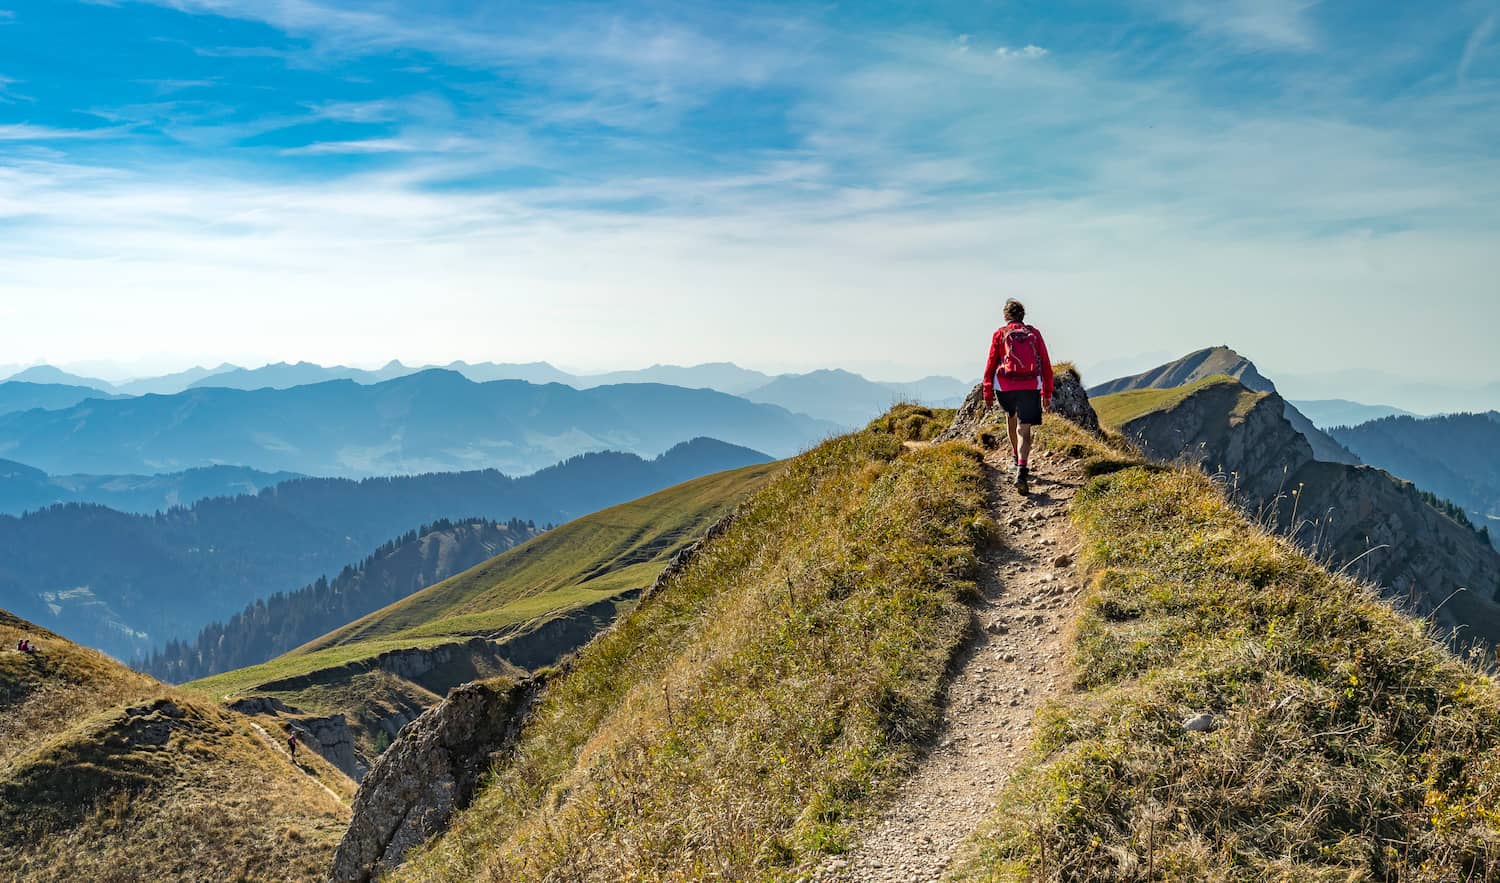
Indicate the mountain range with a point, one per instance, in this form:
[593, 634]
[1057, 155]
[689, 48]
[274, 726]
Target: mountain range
[431, 421]
[842, 397]
[148, 578]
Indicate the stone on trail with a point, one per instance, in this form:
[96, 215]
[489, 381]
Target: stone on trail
[1199, 723]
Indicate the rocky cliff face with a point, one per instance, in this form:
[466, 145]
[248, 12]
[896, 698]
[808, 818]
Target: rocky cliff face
[431, 771]
[1357, 517]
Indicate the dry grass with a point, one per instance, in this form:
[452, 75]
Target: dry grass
[734, 724]
[1349, 744]
[910, 422]
[85, 794]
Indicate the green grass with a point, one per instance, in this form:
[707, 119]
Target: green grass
[1122, 407]
[587, 560]
[734, 724]
[81, 798]
[1350, 745]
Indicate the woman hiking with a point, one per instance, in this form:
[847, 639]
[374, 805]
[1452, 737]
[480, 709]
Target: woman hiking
[1019, 376]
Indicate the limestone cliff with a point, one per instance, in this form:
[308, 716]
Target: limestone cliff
[1354, 517]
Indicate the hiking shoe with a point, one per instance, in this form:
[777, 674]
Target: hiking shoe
[1023, 479]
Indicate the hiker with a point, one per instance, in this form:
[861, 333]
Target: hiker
[1019, 376]
[27, 647]
[291, 744]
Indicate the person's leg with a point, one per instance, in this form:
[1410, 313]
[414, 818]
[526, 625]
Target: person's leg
[1023, 452]
[1012, 427]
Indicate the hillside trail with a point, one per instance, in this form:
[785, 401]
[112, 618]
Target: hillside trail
[1010, 666]
[276, 746]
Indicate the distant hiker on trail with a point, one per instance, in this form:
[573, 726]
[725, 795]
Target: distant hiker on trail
[25, 646]
[291, 744]
[1019, 375]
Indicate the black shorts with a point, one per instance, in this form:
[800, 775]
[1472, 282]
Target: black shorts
[1024, 404]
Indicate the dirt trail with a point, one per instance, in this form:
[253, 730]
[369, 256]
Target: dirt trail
[277, 746]
[1012, 664]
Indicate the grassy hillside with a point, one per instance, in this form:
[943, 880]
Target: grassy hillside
[531, 604]
[108, 775]
[1119, 408]
[1348, 745]
[737, 720]
[590, 559]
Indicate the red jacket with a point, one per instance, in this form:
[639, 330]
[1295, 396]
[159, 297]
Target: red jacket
[1010, 384]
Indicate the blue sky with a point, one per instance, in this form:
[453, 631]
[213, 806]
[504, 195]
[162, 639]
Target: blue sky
[786, 185]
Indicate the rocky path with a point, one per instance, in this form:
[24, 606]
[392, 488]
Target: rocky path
[1012, 664]
[278, 747]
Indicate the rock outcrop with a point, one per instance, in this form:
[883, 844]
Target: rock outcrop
[1069, 400]
[329, 736]
[1355, 517]
[431, 771]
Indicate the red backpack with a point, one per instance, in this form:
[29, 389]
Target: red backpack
[1023, 355]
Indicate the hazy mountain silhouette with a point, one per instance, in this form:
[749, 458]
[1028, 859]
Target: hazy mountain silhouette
[49, 374]
[22, 395]
[432, 421]
[23, 488]
[1328, 413]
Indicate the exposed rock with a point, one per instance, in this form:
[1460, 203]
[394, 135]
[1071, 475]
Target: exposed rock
[331, 737]
[1062, 560]
[1354, 518]
[152, 723]
[1199, 723]
[431, 771]
[261, 705]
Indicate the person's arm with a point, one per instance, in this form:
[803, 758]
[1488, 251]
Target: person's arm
[991, 366]
[1046, 371]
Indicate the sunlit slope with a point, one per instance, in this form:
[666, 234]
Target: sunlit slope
[590, 560]
[1117, 409]
[109, 775]
[736, 722]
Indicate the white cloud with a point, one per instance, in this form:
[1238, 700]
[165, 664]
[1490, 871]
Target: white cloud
[1254, 24]
[28, 132]
[1027, 51]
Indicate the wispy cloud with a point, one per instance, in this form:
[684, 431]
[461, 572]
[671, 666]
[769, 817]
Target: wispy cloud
[1254, 24]
[1475, 44]
[28, 132]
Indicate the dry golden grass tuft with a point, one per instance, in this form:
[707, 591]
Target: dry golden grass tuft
[734, 724]
[1348, 744]
[109, 775]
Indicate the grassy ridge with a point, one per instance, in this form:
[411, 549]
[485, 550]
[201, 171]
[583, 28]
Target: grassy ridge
[587, 560]
[1348, 745]
[1122, 407]
[731, 726]
[109, 775]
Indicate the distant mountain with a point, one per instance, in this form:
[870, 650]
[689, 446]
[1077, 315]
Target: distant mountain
[1419, 395]
[126, 583]
[1328, 413]
[23, 488]
[849, 400]
[531, 372]
[431, 421]
[1221, 360]
[22, 395]
[1422, 553]
[49, 374]
[1455, 456]
[286, 620]
[283, 375]
[170, 384]
[722, 376]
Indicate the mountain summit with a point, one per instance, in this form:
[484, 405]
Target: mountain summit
[1223, 361]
